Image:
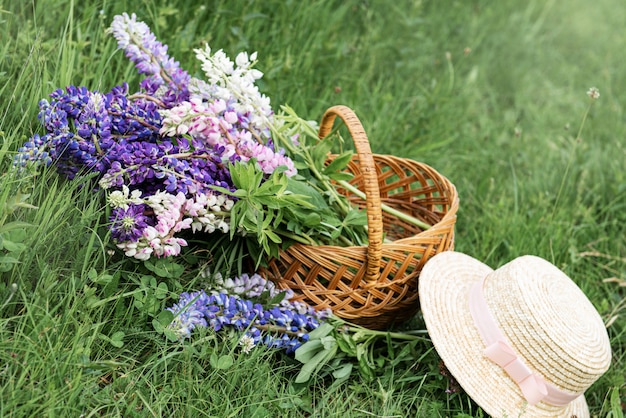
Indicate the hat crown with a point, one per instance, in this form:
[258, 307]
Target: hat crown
[549, 322]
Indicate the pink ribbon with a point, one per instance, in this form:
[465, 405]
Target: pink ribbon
[534, 387]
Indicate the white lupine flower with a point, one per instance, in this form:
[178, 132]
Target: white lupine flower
[121, 198]
[116, 199]
[237, 85]
[242, 60]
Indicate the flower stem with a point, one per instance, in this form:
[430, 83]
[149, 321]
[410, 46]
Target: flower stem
[276, 329]
[147, 97]
[359, 331]
[302, 239]
[571, 157]
[388, 209]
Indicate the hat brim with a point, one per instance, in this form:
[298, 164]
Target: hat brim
[444, 287]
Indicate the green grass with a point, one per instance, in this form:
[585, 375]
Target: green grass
[491, 94]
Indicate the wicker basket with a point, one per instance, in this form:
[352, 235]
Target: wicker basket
[375, 285]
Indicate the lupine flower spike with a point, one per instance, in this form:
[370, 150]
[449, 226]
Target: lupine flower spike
[285, 326]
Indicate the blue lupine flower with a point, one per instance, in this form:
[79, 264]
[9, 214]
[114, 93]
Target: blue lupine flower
[34, 151]
[189, 313]
[283, 326]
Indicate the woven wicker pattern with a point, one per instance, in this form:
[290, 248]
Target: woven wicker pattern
[374, 285]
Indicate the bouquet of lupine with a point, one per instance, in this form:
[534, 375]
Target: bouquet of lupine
[186, 155]
[208, 159]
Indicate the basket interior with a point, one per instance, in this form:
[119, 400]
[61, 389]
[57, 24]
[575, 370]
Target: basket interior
[407, 186]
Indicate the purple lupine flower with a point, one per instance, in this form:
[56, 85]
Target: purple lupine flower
[132, 118]
[129, 223]
[219, 124]
[77, 128]
[52, 117]
[254, 286]
[166, 80]
[245, 286]
[235, 82]
[169, 214]
[87, 131]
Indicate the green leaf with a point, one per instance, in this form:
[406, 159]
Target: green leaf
[301, 188]
[320, 152]
[104, 279]
[340, 176]
[89, 296]
[315, 364]
[170, 335]
[321, 331]
[92, 274]
[310, 218]
[246, 175]
[279, 297]
[265, 221]
[346, 344]
[356, 217]
[158, 327]
[365, 370]
[338, 163]
[7, 263]
[8, 259]
[165, 318]
[616, 404]
[235, 175]
[328, 342]
[161, 291]
[343, 372]
[251, 215]
[308, 350]
[117, 339]
[14, 247]
[361, 335]
[260, 411]
[220, 189]
[271, 235]
[277, 219]
[14, 225]
[364, 365]
[165, 268]
[222, 362]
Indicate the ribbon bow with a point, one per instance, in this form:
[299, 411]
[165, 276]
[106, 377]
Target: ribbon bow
[532, 386]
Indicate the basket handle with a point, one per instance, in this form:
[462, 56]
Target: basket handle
[370, 183]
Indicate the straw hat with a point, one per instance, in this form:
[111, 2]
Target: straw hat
[526, 322]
